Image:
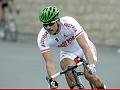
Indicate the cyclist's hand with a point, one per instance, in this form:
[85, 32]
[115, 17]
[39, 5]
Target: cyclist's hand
[53, 84]
[91, 68]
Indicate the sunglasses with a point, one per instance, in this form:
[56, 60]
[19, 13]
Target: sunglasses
[49, 24]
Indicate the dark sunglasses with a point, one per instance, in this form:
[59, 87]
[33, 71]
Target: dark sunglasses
[49, 24]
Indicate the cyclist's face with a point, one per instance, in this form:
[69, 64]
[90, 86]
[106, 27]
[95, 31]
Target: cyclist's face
[52, 28]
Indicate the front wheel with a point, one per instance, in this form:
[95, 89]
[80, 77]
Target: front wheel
[3, 33]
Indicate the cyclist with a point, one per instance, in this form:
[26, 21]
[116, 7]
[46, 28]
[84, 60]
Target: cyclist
[6, 3]
[66, 34]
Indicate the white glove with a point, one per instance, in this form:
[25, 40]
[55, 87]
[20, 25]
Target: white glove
[91, 68]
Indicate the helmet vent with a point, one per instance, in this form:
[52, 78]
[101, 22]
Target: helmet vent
[53, 10]
[49, 14]
[50, 8]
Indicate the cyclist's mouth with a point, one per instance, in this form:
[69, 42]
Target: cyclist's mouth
[51, 31]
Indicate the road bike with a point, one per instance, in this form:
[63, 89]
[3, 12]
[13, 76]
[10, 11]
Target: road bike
[77, 75]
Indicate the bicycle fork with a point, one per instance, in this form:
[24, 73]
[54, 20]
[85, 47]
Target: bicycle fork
[78, 78]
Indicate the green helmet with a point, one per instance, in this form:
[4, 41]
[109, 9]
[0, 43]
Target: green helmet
[49, 14]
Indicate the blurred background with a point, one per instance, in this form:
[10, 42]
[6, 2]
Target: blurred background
[21, 64]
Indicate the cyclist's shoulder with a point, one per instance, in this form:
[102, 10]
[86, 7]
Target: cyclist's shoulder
[43, 38]
[67, 18]
[43, 33]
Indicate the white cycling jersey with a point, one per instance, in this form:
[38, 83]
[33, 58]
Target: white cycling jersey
[65, 40]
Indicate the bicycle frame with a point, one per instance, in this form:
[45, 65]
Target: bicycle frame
[76, 74]
[78, 81]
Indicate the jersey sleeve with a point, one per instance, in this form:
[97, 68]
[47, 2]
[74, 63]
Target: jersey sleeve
[41, 41]
[73, 25]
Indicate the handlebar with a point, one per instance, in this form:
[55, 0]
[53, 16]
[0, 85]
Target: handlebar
[81, 62]
[68, 69]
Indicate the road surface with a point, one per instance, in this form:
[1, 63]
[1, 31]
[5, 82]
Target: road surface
[22, 66]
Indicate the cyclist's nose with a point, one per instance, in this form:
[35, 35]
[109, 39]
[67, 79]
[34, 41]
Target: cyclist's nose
[48, 27]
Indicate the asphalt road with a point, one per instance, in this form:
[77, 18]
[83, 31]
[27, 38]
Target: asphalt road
[22, 66]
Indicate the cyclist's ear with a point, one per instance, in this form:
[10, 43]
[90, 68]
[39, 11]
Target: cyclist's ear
[58, 21]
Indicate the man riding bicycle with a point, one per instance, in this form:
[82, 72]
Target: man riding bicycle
[66, 34]
[6, 3]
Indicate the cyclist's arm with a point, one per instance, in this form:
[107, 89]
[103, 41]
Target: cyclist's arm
[83, 42]
[50, 66]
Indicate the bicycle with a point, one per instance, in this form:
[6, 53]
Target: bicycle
[8, 27]
[77, 75]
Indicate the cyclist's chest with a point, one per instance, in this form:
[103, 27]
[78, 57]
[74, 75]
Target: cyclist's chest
[63, 39]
